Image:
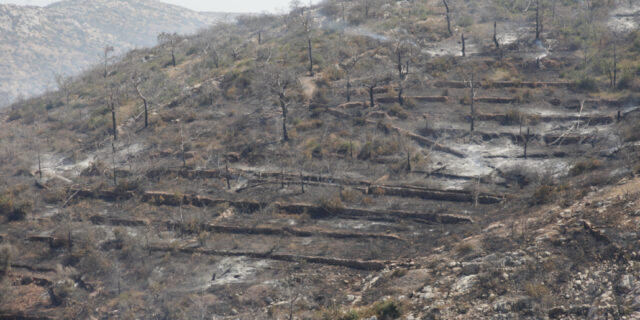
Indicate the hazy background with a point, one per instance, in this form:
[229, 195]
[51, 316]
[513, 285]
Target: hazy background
[203, 5]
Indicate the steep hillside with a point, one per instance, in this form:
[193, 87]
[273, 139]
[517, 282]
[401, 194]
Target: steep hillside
[354, 160]
[67, 37]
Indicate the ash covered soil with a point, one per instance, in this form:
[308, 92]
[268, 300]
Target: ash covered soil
[498, 184]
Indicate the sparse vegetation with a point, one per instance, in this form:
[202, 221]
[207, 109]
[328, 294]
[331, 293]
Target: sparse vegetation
[320, 165]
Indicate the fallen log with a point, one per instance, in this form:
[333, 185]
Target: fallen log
[163, 198]
[282, 231]
[348, 263]
[53, 242]
[40, 282]
[101, 220]
[504, 84]
[589, 119]
[21, 315]
[496, 100]
[35, 269]
[433, 194]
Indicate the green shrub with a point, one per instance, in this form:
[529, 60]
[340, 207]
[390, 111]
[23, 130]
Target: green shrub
[465, 21]
[587, 84]
[625, 82]
[512, 117]
[388, 310]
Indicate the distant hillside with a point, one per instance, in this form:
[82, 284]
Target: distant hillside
[65, 37]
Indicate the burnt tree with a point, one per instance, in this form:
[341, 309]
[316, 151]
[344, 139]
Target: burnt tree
[495, 35]
[171, 41]
[402, 61]
[538, 20]
[107, 49]
[446, 6]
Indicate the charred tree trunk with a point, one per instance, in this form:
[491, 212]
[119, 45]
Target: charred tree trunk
[309, 48]
[538, 20]
[184, 158]
[446, 6]
[371, 96]
[40, 162]
[173, 58]
[226, 175]
[146, 107]
[615, 66]
[283, 106]
[302, 182]
[113, 163]
[473, 98]
[113, 119]
[526, 141]
[348, 87]
[464, 53]
[409, 161]
[495, 35]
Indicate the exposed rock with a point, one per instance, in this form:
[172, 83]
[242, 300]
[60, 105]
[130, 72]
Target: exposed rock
[626, 283]
[470, 268]
[464, 284]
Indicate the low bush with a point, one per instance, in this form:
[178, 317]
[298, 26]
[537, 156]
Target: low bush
[6, 253]
[331, 204]
[587, 84]
[537, 291]
[388, 310]
[397, 111]
[464, 248]
[350, 195]
[12, 209]
[512, 117]
[585, 166]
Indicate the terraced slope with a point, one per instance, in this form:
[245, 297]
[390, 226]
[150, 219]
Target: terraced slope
[497, 185]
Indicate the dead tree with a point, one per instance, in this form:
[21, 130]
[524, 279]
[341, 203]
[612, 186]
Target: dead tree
[473, 99]
[184, 158]
[211, 51]
[107, 49]
[170, 40]
[308, 30]
[614, 72]
[525, 139]
[495, 35]
[464, 53]
[40, 162]
[446, 6]
[137, 82]
[302, 182]
[402, 67]
[538, 20]
[226, 175]
[113, 162]
[347, 66]
[283, 106]
[371, 87]
[113, 106]
[276, 82]
[64, 85]
[366, 6]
